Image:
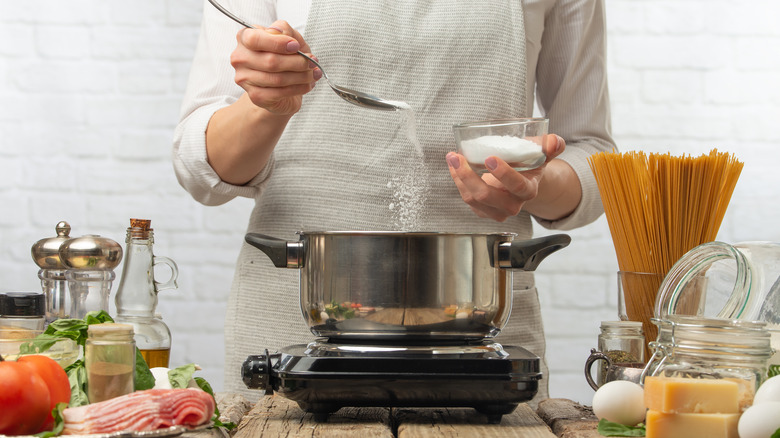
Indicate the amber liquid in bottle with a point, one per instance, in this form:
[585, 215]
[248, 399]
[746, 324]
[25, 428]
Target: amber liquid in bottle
[157, 357]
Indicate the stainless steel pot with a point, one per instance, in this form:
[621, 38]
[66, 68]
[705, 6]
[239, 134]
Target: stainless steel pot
[406, 286]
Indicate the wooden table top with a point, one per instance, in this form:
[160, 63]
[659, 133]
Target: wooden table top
[275, 416]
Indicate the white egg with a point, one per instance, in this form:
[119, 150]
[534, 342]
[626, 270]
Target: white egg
[620, 401]
[760, 421]
[768, 391]
[161, 380]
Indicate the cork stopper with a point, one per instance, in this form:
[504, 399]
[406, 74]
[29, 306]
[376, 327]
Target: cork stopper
[144, 224]
[140, 229]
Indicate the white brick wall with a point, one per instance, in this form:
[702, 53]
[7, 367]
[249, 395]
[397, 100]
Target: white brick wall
[89, 95]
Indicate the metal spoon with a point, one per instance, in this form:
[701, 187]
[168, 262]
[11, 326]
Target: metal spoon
[351, 96]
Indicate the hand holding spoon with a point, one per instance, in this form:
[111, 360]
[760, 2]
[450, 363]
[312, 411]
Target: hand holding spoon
[354, 97]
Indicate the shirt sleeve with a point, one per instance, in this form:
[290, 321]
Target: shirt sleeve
[571, 90]
[211, 87]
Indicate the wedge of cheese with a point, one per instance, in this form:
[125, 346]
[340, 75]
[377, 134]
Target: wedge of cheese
[662, 425]
[689, 395]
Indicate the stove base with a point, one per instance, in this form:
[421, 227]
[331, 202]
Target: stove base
[493, 381]
[493, 399]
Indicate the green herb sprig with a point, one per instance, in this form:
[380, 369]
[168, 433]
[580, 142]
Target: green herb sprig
[608, 428]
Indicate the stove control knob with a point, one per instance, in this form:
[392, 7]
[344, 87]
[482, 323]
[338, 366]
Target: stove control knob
[256, 371]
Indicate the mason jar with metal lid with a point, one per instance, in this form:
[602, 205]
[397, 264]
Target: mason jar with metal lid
[712, 348]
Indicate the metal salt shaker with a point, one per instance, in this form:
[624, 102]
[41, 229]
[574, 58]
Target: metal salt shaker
[45, 253]
[90, 261]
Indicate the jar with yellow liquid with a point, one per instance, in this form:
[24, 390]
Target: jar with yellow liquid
[136, 297]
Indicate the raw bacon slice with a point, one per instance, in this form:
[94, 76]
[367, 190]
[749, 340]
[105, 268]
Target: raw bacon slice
[151, 409]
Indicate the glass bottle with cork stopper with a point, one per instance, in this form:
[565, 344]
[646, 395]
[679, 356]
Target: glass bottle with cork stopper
[109, 358]
[136, 297]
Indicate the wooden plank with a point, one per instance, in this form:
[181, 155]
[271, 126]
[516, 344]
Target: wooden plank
[466, 422]
[275, 416]
[232, 407]
[568, 419]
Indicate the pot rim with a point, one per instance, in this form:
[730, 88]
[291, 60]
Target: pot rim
[404, 233]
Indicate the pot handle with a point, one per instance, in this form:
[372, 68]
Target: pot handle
[527, 254]
[282, 253]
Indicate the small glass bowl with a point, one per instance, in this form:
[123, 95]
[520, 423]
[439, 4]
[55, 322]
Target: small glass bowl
[64, 351]
[516, 141]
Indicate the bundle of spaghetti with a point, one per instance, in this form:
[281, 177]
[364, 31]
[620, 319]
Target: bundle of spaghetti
[658, 207]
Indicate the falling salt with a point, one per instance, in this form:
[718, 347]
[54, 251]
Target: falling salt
[409, 189]
[508, 148]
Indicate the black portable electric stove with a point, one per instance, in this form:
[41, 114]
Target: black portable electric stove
[324, 376]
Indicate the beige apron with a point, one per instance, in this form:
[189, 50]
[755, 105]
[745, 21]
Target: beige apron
[342, 167]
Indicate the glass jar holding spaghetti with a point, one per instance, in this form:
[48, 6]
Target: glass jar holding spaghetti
[712, 348]
[659, 207]
[740, 281]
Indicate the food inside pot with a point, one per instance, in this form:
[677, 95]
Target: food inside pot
[400, 316]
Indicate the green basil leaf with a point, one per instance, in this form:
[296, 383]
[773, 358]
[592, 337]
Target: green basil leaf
[144, 379]
[608, 428]
[180, 377]
[65, 325]
[97, 317]
[77, 376]
[204, 385]
[40, 344]
[76, 329]
[776, 434]
[59, 422]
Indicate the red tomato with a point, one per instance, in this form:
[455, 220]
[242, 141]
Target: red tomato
[56, 380]
[24, 399]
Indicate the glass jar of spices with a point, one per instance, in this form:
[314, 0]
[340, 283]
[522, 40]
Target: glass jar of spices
[621, 353]
[109, 357]
[622, 341]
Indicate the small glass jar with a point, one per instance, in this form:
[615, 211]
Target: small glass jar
[712, 348]
[623, 342]
[109, 357]
[23, 312]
